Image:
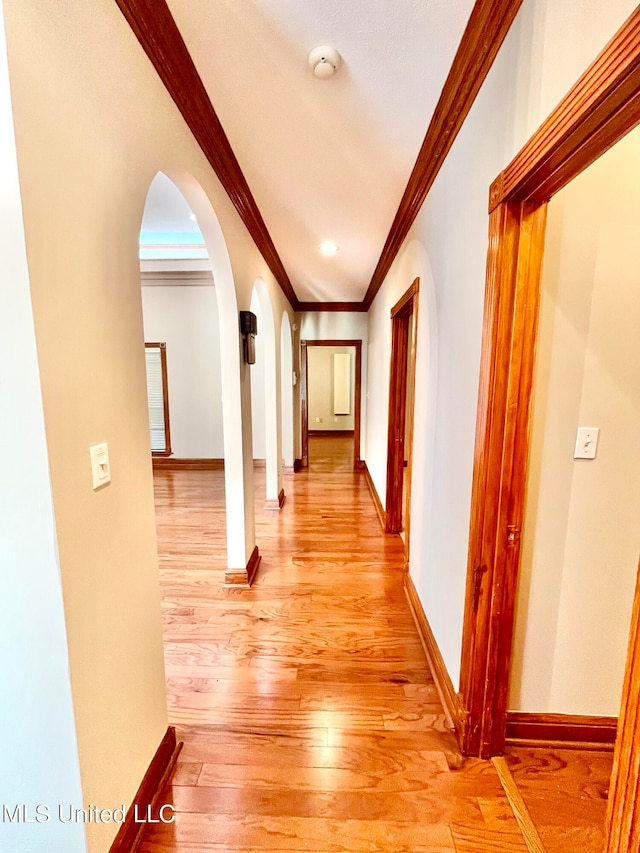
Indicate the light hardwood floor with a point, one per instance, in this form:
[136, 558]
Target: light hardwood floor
[565, 792]
[309, 716]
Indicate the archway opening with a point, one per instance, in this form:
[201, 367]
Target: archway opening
[286, 392]
[265, 394]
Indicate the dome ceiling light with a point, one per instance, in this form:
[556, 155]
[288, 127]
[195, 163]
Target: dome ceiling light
[324, 61]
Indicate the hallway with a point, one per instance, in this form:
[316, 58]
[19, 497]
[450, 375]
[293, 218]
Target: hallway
[309, 717]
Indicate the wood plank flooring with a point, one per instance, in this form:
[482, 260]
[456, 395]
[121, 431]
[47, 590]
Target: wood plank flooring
[309, 716]
[565, 792]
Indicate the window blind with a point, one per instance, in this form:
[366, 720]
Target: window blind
[155, 399]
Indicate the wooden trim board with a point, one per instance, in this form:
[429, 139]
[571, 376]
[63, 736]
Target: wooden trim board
[331, 306]
[304, 387]
[276, 503]
[244, 577]
[401, 403]
[599, 110]
[130, 833]
[518, 807]
[453, 708]
[374, 494]
[596, 112]
[171, 463]
[623, 810]
[487, 28]
[567, 730]
[160, 38]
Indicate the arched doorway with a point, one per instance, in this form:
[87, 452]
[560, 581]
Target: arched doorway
[286, 391]
[197, 236]
[265, 394]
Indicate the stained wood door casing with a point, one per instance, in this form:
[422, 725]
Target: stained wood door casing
[510, 327]
[623, 815]
[602, 107]
[402, 313]
[304, 389]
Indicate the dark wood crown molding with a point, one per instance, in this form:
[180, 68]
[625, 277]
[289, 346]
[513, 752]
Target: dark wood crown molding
[486, 29]
[603, 105]
[332, 306]
[595, 113]
[158, 33]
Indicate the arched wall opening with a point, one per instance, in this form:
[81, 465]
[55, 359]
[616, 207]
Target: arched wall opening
[286, 391]
[265, 397]
[225, 438]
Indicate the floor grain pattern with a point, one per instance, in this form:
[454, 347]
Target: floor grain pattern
[565, 792]
[309, 717]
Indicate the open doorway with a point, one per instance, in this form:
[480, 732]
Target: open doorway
[189, 304]
[330, 398]
[266, 435]
[401, 396]
[567, 143]
[286, 392]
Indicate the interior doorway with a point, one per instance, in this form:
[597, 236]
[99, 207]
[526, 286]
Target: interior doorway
[336, 375]
[401, 397]
[579, 130]
[517, 235]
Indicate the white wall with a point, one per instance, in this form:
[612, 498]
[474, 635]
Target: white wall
[286, 379]
[258, 378]
[333, 325]
[581, 537]
[348, 326]
[447, 249]
[39, 753]
[320, 389]
[186, 318]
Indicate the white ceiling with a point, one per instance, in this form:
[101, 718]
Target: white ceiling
[168, 228]
[325, 160]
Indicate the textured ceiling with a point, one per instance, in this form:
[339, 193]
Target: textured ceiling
[325, 160]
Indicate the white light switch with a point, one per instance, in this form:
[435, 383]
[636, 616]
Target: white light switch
[100, 470]
[586, 443]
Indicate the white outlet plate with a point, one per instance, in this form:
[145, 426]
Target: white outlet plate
[100, 468]
[586, 443]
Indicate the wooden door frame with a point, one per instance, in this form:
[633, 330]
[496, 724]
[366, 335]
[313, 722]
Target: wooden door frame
[599, 110]
[623, 808]
[357, 405]
[404, 308]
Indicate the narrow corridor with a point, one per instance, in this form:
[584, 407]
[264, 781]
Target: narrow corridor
[309, 717]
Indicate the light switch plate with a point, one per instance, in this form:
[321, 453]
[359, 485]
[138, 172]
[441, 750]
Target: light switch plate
[100, 468]
[586, 443]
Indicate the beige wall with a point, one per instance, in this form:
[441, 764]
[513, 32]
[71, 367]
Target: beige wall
[39, 752]
[93, 127]
[447, 249]
[581, 537]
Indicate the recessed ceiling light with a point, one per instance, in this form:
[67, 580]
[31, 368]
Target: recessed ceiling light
[192, 217]
[329, 248]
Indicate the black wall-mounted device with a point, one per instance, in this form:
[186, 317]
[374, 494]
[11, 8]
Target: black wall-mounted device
[248, 323]
[249, 329]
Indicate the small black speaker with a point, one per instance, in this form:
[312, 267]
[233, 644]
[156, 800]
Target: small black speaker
[248, 323]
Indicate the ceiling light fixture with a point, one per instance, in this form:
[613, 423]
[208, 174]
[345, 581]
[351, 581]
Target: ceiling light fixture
[324, 61]
[329, 248]
[192, 217]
